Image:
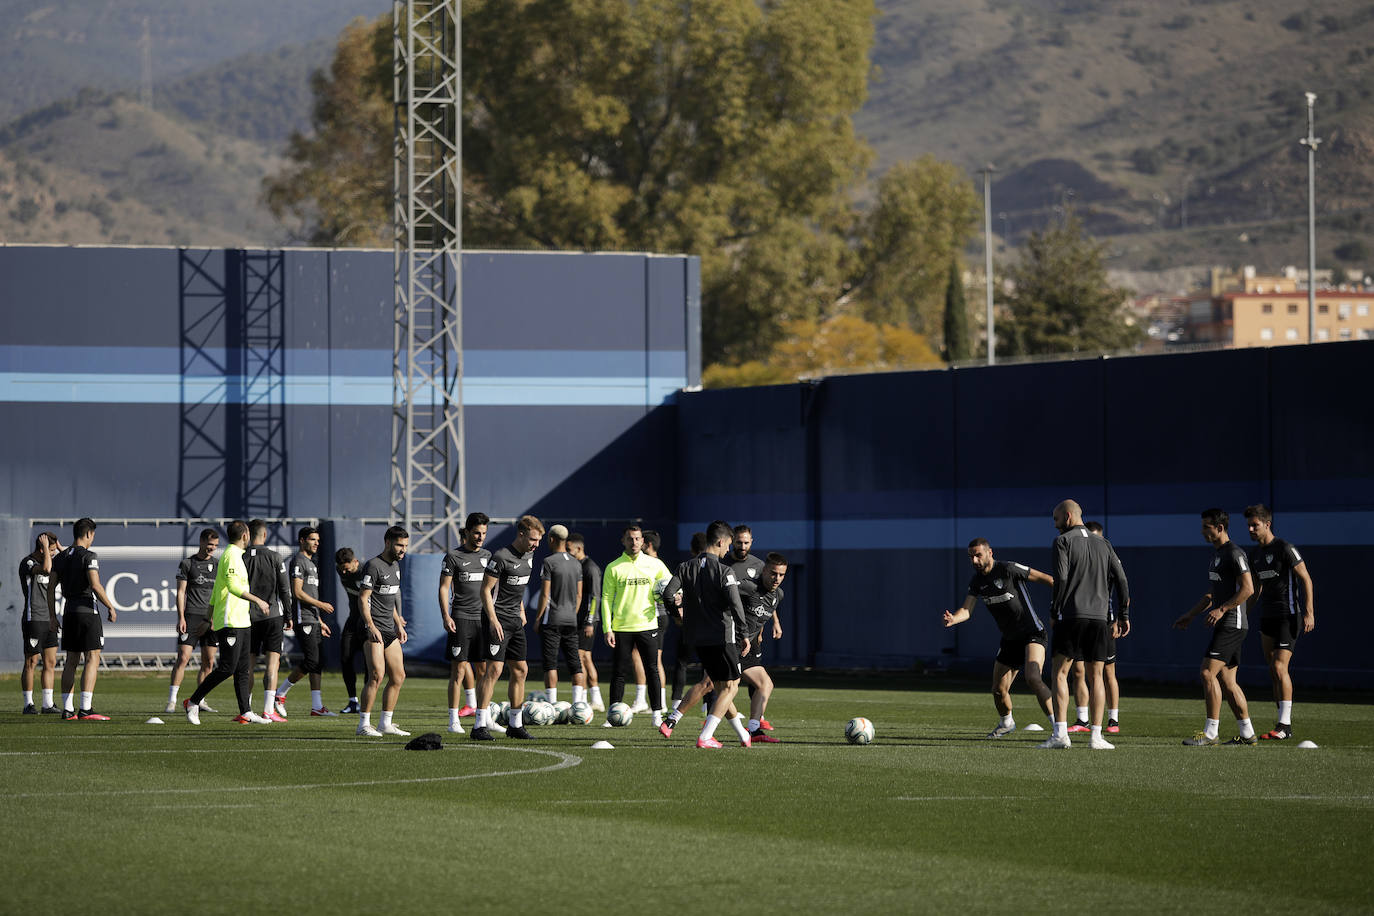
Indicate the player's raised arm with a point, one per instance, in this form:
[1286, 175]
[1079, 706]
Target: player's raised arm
[964, 612]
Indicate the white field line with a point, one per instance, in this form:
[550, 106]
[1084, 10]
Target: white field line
[563, 761]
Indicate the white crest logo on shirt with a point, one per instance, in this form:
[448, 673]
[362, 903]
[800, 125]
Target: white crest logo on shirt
[231, 640]
[997, 583]
[753, 573]
[1268, 558]
[1216, 561]
[305, 630]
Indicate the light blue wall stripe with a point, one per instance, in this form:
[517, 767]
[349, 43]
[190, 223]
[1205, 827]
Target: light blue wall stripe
[365, 391]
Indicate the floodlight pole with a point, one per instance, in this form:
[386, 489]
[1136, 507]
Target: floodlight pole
[1311, 142]
[987, 171]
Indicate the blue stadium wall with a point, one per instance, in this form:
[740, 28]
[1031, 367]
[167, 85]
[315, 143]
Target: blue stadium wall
[872, 485]
[170, 383]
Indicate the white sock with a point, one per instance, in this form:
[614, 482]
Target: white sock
[1008, 721]
[268, 702]
[386, 717]
[738, 723]
[662, 697]
[1246, 729]
[1082, 713]
[353, 700]
[1286, 712]
[1112, 714]
[481, 720]
[1210, 728]
[675, 716]
[470, 696]
[515, 717]
[67, 702]
[641, 693]
[677, 702]
[86, 699]
[364, 719]
[453, 717]
[1096, 731]
[709, 729]
[172, 693]
[552, 693]
[316, 700]
[579, 694]
[28, 697]
[596, 694]
[47, 697]
[284, 689]
[1061, 730]
[753, 725]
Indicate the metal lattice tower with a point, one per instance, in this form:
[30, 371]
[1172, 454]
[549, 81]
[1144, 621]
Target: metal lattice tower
[428, 480]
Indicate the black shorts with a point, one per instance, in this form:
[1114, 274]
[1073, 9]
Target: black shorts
[754, 657]
[465, 645]
[38, 635]
[560, 637]
[266, 636]
[389, 635]
[1012, 651]
[1226, 645]
[509, 648]
[198, 633]
[82, 632]
[662, 633]
[309, 639]
[1083, 640]
[721, 663]
[1284, 630]
[585, 643]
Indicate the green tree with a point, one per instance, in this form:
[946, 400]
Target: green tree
[1060, 300]
[924, 213]
[721, 128]
[958, 345]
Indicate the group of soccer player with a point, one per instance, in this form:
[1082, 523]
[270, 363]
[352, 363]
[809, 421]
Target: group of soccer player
[236, 609]
[1090, 609]
[717, 605]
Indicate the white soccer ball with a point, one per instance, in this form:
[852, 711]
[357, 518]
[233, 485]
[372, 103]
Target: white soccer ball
[537, 696]
[501, 712]
[541, 714]
[858, 731]
[619, 714]
[562, 712]
[580, 714]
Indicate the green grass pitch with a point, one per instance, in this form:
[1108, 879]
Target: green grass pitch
[121, 816]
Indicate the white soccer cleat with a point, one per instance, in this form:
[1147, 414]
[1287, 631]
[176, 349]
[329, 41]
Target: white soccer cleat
[279, 706]
[607, 724]
[172, 706]
[206, 707]
[456, 728]
[192, 712]
[640, 706]
[391, 729]
[257, 719]
[1098, 743]
[598, 704]
[496, 729]
[367, 731]
[1001, 730]
[1055, 744]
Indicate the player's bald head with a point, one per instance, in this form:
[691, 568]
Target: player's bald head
[1067, 514]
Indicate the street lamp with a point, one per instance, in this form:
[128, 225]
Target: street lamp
[1311, 142]
[987, 171]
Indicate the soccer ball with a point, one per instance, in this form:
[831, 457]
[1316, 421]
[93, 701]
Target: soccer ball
[858, 731]
[541, 714]
[580, 714]
[562, 712]
[537, 696]
[502, 711]
[619, 714]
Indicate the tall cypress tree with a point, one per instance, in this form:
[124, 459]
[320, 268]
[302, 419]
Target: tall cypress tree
[956, 317]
